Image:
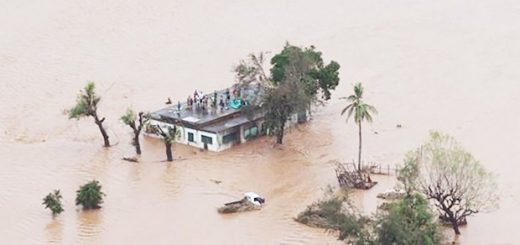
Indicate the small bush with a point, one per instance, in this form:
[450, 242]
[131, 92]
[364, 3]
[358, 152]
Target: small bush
[90, 195]
[322, 214]
[53, 202]
[336, 214]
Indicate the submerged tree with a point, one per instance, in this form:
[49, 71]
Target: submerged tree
[136, 123]
[408, 222]
[168, 137]
[90, 195]
[280, 103]
[335, 212]
[251, 82]
[308, 68]
[361, 111]
[86, 105]
[251, 70]
[408, 174]
[53, 202]
[451, 177]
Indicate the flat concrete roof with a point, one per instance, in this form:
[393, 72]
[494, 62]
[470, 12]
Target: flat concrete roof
[197, 117]
[226, 124]
[193, 115]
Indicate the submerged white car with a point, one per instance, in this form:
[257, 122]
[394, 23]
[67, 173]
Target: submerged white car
[251, 201]
[254, 198]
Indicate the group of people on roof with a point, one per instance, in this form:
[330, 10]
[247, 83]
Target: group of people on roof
[200, 101]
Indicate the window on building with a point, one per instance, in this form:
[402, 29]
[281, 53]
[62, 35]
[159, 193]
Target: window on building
[251, 132]
[191, 137]
[206, 139]
[302, 117]
[230, 138]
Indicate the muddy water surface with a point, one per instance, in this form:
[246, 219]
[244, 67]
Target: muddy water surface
[451, 66]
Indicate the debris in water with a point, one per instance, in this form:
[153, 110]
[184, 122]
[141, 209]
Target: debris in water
[216, 181]
[131, 159]
[391, 194]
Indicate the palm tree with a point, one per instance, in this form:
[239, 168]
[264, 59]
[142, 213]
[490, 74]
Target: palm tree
[86, 105]
[361, 110]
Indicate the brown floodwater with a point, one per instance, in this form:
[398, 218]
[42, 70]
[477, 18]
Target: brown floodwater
[444, 65]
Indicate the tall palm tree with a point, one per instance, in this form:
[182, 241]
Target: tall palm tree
[361, 111]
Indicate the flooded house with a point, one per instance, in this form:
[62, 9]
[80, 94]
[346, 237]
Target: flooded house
[218, 120]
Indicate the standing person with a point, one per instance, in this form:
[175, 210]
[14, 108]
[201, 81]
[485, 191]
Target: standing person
[228, 95]
[214, 102]
[221, 103]
[179, 105]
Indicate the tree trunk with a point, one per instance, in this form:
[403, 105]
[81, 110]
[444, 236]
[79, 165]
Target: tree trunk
[102, 129]
[455, 226]
[279, 136]
[169, 155]
[137, 132]
[137, 144]
[359, 152]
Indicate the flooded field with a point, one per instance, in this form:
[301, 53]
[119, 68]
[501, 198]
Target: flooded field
[444, 65]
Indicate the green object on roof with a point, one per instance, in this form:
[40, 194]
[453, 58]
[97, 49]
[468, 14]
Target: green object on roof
[235, 103]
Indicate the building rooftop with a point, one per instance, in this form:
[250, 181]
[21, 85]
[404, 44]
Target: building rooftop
[204, 114]
[194, 116]
[230, 123]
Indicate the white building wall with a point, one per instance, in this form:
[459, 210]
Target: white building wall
[197, 136]
[217, 142]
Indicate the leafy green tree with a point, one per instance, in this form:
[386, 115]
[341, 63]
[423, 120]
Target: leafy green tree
[408, 174]
[361, 111]
[280, 103]
[168, 137]
[308, 68]
[86, 105]
[408, 222]
[336, 213]
[53, 202]
[90, 195]
[450, 176]
[136, 123]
